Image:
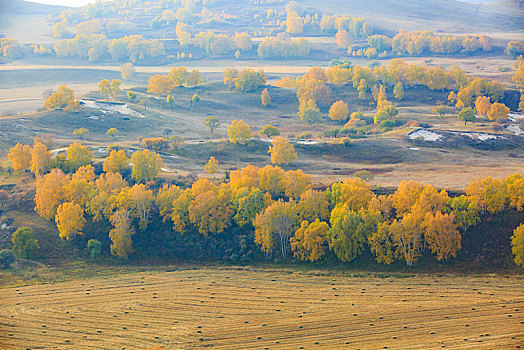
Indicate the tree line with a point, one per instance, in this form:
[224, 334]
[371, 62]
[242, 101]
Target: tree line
[284, 212]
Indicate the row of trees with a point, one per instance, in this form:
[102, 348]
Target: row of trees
[285, 213]
[397, 75]
[426, 42]
[178, 76]
[97, 47]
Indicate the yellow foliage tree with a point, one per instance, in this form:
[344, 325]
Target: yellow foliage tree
[517, 245]
[40, 158]
[20, 156]
[498, 111]
[239, 132]
[310, 240]
[282, 151]
[50, 193]
[272, 180]
[356, 193]
[116, 161]
[212, 166]
[313, 205]
[78, 155]
[442, 235]
[120, 235]
[211, 211]
[69, 220]
[146, 165]
[339, 110]
[483, 105]
[160, 84]
[488, 193]
[296, 183]
[138, 201]
[275, 224]
[63, 98]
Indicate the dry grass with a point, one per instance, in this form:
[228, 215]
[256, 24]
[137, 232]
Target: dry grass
[249, 308]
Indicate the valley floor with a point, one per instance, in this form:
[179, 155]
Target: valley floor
[231, 308]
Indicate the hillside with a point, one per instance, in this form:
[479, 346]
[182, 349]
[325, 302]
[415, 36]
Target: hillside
[445, 16]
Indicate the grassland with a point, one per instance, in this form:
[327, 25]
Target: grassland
[251, 308]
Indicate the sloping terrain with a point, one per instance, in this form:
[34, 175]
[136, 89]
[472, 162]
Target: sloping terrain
[445, 15]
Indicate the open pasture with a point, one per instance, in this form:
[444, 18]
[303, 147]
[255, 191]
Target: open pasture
[232, 308]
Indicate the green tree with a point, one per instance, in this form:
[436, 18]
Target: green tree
[113, 132]
[94, 247]
[131, 95]
[467, 115]
[212, 123]
[80, 132]
[24, 243]
[269, 131]
[398, 91]
[309, 112]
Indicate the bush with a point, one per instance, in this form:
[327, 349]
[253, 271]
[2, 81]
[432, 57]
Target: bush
[364, 175]
[24, 245]
[6, 258]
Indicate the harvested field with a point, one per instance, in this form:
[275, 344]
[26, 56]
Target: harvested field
[228, 308]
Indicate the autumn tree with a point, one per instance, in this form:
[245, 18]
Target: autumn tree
[274, 226]
[20, 156]
[211, 210]
[80, 132]
[382, 242]
[355, 193]
[50, 193]
[113, 132]
[343, 39]
[116, 161]
[145, 165]
[160, 84]
[517, 245]
[63, 98]
[138, 201]
[211, 166]
[239, 132]
[350, 229]
[269, 131]
[249, 80]
[131, 95]
[498, 111]
[24, 243]
[127, 71]
[265, 98]
[69, 220]
[467, 115]
[518, 78]
[310, 240]
[313, 205]
[465, 210]
[488, 193]
[272, 180]
[170, 99]
[339, 110]
[121, 233]
[309, 112]
[282, 151]
[109, 88]
[482, 105]
[212, 123]
[248, 202]
[78, 155]
[442, 235]
[40, 158]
